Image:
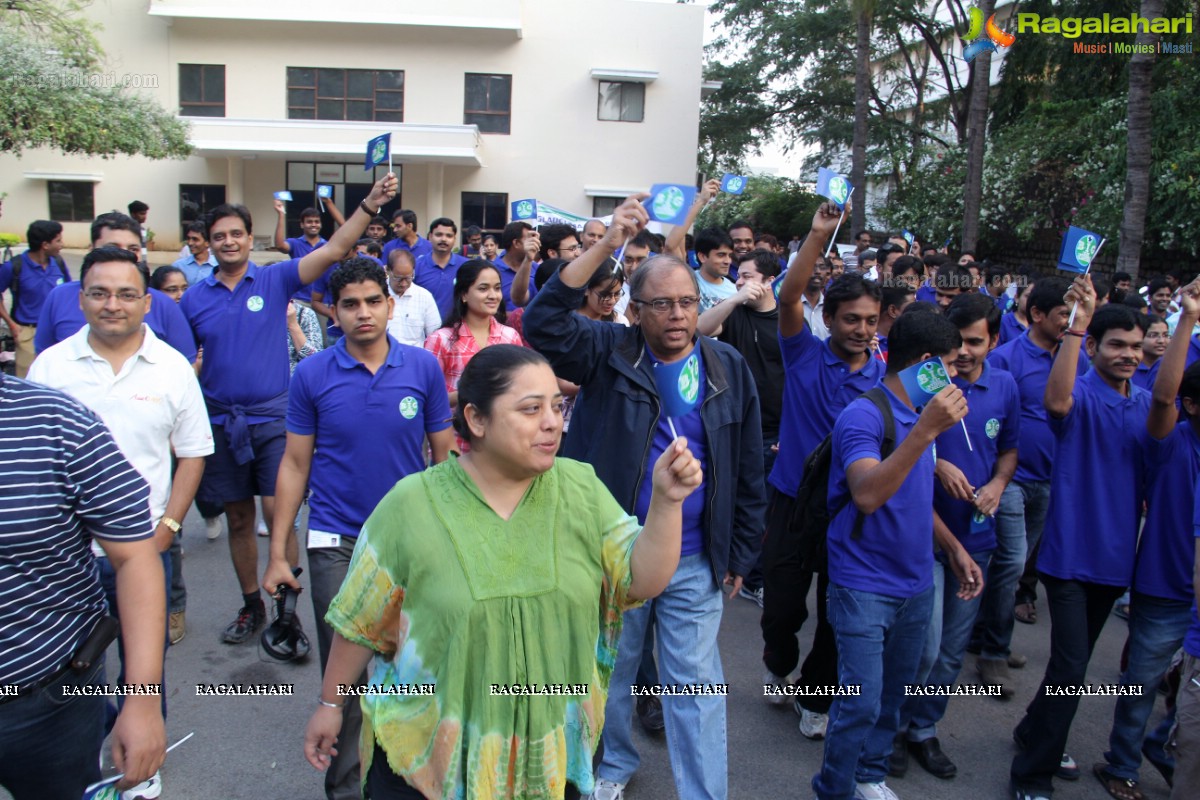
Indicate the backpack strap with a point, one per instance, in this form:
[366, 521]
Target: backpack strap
[880, 399]
[14, 288]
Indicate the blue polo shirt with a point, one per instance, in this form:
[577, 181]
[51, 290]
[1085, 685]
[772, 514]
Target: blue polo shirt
[423, 247]
[1097, 485]
[243, 333]
[691, 427]
[1193, 351]
[1166, 548]
[299, 248]
[507, 276]
[1191, 642]
[362, 419]
[1030, 366]
[994, 422]
[817, 385]
[894, 557]
[1144, 377]
[61, 318]
[1010, 328]
[193, 270]
[926, 293]
[34, 285]
[438, 280]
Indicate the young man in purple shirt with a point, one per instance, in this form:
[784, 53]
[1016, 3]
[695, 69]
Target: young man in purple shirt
[299, 246]
[404, 226]
[820, 378]
[436, 270]
[881, 543]
[237, 315]
[29, 279]
[1088, 547]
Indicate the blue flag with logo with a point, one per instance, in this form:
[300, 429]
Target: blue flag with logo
[733, 184]
[923, 381]
[908, 236]
[377, 150]
[283, 196]
[678, 385]
[1078, 249]
[324, 190]
[524, 209]
[669, 202]
[834, 186]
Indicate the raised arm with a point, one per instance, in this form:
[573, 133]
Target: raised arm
[791, 291]
[677, 239]
[280, 235]
[1163, 413]
[531, 245]
[1058, 399]
[712, 321]
[313, 265]
[627, 221]
[335, 212]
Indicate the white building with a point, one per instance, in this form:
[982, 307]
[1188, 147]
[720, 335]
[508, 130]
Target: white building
[571, 102]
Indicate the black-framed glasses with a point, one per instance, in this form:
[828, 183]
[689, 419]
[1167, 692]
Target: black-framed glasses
[662, 305]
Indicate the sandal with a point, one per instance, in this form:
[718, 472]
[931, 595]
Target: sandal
[1025, 612]
[1119, 788]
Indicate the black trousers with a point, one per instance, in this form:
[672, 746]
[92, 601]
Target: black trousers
[785, 607]
[383, 784]
[1078, 611]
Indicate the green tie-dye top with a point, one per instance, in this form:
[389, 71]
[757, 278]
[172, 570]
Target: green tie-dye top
[448, 593]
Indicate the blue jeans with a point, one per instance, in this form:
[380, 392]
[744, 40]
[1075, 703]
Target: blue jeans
[945, 645]
[49, 743]
[1019, 523]
[879, 642]
[1156, 630]
[108, 580]
[687, 615]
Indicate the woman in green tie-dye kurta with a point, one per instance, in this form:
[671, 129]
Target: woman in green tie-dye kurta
[512, 623]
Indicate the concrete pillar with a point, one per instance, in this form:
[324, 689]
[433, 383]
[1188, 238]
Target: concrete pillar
[235, 181]
[435, 196]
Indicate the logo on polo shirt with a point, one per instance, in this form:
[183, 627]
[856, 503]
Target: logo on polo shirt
[409, 407]
[992, 428]
[58, 282]
[931, 377]
[255, 303]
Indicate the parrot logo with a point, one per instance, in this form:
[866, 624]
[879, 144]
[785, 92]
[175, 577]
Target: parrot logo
[986, 37]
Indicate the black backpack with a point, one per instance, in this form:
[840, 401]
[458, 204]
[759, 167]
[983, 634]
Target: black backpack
[812, 514]
[15, 285]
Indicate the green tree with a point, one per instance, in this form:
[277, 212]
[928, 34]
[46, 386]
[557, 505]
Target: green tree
[55, 97]
[775, 205]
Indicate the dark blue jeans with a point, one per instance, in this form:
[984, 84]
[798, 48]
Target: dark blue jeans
[1156, 630]
[879, 642]
[108, 580]
[754, 580]
[50, 744]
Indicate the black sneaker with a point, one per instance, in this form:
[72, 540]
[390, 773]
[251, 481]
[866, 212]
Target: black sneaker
[650, 714]
[249, 620]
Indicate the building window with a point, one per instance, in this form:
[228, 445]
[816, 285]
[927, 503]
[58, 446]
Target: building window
[71, 201]
[621, 102]
[488, 102]
[488, 210]
[603, 206]
[196, 200]
[345, 94]
[202, 90]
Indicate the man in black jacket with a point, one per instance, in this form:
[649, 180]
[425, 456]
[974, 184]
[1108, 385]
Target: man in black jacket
[618, 427]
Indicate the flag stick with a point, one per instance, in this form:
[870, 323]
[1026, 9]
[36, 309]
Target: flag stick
[618, 256]
[963, 422]
[839, 224]
[671, 425]
[1075, 307]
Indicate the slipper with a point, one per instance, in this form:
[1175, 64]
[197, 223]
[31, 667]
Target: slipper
[1118, 788]
[1025, 612]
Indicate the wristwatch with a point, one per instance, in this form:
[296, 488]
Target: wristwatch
[363, 205]
[173, 525]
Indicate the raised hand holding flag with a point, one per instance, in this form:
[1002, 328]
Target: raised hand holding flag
[1079, 250]
[669, 202]
[733, 184]
[379, 150]
[834, 186]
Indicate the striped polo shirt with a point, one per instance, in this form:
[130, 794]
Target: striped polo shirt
[62, 481]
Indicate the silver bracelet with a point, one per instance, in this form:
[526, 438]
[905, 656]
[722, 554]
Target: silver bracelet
[321, 702]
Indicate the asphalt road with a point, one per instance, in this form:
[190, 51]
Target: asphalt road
[252, 747]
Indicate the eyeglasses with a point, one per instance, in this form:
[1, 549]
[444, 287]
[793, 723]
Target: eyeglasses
[1158, 336]
[662, 305]
[609, 295]
[571, 249]
[401, 278]
[101, 296]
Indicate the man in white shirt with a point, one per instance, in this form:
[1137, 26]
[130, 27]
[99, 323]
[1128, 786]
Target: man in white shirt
[142, 389]
[416, 313]
[814, 300]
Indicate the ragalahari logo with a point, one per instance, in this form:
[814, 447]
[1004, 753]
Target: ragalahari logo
[986, 37]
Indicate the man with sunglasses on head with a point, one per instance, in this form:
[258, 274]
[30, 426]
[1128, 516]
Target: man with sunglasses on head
[619, 402]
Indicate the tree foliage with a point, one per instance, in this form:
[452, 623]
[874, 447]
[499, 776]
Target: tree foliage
[771, 204]
[55, 97]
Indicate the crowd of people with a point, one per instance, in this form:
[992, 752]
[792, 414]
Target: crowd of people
[503, 491]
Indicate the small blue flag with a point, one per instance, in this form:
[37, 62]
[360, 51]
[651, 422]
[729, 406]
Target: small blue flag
[733, 184]
[377, 150]
[980, 522]
[923, 381]
[678, 385]
[324, 190]
[524, 209]
[834, 186]
[283, 196]
[1078, 249]
[669, 202]
[908, 236]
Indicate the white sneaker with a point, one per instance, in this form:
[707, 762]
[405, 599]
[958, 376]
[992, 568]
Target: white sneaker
[607, 790]
[146, 790]
[813, 724]
[775, 696]
[262, 528]
[873, 791]
[212, 528]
